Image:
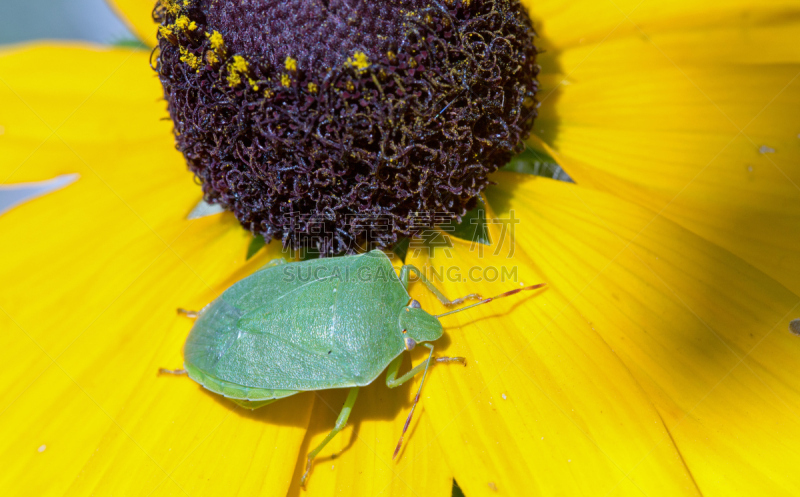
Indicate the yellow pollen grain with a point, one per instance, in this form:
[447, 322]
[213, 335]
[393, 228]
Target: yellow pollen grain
[269, 93]
[170, 6]
[182, 22]
[359, 60]
[350, 86]
[166, 31]
[217, 43]
[237, 68]
[313, 88]
[291, 64]
[189, 58]
[391, 56]
[285, 80]
[212, 58]
[239, 64]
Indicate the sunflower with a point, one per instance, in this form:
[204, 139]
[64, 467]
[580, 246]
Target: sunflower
[658, 362]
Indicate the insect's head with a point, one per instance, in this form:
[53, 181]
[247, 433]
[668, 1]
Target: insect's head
[418, 326]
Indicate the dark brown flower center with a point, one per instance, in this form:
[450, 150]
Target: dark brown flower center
[318, 34]
[336, 124]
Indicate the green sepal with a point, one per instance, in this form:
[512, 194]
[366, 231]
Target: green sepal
[256, 244]
[536, 163]
[472, 227]
[400, 248]
[457, 492]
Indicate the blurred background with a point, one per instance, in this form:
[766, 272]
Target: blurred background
[88, 20]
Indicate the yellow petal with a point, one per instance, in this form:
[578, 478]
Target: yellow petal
[698, 125]
[564, 24]
[98, 269]
[703, 333]
[359, 460]
[138, 14]
[61, 102]
[544, 406]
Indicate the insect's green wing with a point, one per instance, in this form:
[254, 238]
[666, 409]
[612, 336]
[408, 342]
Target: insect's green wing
[212, 333]
[317, 324]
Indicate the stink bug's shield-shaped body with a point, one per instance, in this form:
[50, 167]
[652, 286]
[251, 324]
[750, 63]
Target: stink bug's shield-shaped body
[313, 325]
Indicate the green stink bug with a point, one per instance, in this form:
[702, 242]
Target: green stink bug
[314, 325]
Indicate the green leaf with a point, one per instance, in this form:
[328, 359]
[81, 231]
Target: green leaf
[256, 244]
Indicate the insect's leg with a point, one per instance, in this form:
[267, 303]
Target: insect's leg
[462, 360]
[193, 314]
[188, 314]
[171, 371]
[392, 381]
[416, 398]
[404, 273]
[341, 421]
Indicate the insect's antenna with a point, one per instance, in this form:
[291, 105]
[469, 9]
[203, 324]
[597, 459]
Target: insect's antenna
[414, 405]
[486, 301]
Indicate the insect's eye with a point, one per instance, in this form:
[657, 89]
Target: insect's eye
[410, 343]
[415, 305]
